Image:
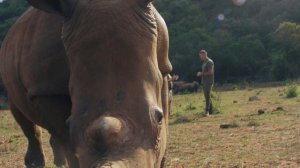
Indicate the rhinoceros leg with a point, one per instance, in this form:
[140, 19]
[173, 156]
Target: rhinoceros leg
[63, 152]
[55, 111]
[72, 160]
[58, 152]
[163, 162]
[34, 156]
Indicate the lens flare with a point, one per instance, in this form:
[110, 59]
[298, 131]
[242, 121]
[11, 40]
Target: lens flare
[221, 17]
[239, 2]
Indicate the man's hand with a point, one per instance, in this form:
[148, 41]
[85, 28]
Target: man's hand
[208, 73]
[199, 74]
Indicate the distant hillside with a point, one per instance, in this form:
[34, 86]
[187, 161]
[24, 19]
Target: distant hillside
[254, 41]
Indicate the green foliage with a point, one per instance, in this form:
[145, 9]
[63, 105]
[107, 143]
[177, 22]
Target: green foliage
[292, 91]
[288, 33]
[286, 60]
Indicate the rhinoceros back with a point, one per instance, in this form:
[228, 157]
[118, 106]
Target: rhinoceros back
[33, 55]
[32, 59]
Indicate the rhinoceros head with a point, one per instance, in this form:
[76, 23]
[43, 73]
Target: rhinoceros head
[117, 52]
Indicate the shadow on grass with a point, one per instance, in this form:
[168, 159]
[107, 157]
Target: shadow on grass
[232, 124]
[181, 120]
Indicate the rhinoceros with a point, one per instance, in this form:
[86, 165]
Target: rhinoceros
[182, 86]
[94, 74]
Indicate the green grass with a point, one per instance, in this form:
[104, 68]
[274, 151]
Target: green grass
[270, 140]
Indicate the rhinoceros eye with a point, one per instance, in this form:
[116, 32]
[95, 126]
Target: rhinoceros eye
[157, 115]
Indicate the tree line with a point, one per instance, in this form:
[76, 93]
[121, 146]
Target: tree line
[257, 41]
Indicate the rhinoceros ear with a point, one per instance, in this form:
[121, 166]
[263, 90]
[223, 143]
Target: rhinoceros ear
[62, 7]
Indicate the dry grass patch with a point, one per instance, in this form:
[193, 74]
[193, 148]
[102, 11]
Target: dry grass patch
[267, 140]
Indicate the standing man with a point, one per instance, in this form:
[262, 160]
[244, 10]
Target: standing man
[207, 76]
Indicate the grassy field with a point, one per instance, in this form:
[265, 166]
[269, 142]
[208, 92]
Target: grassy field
[271, 139]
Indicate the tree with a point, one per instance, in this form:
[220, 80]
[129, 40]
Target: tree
[286, 64]
[288, 34]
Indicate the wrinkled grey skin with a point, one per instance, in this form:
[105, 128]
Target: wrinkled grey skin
[94, 74]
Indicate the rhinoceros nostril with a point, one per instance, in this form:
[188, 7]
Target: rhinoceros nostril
[158, 115]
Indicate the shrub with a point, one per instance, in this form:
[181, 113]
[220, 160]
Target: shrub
[190, 107]
[253, 123]
[291, 91]
[216, 101]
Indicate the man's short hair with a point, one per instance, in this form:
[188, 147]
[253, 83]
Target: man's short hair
[202, 52]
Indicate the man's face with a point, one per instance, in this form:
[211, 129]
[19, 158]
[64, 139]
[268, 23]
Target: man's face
[202, 56]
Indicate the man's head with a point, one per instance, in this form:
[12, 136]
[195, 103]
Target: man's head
[203, 55]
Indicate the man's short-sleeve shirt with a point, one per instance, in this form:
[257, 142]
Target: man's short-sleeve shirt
[208, 79]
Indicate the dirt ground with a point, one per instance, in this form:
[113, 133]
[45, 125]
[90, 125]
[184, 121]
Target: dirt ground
[270, 139]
